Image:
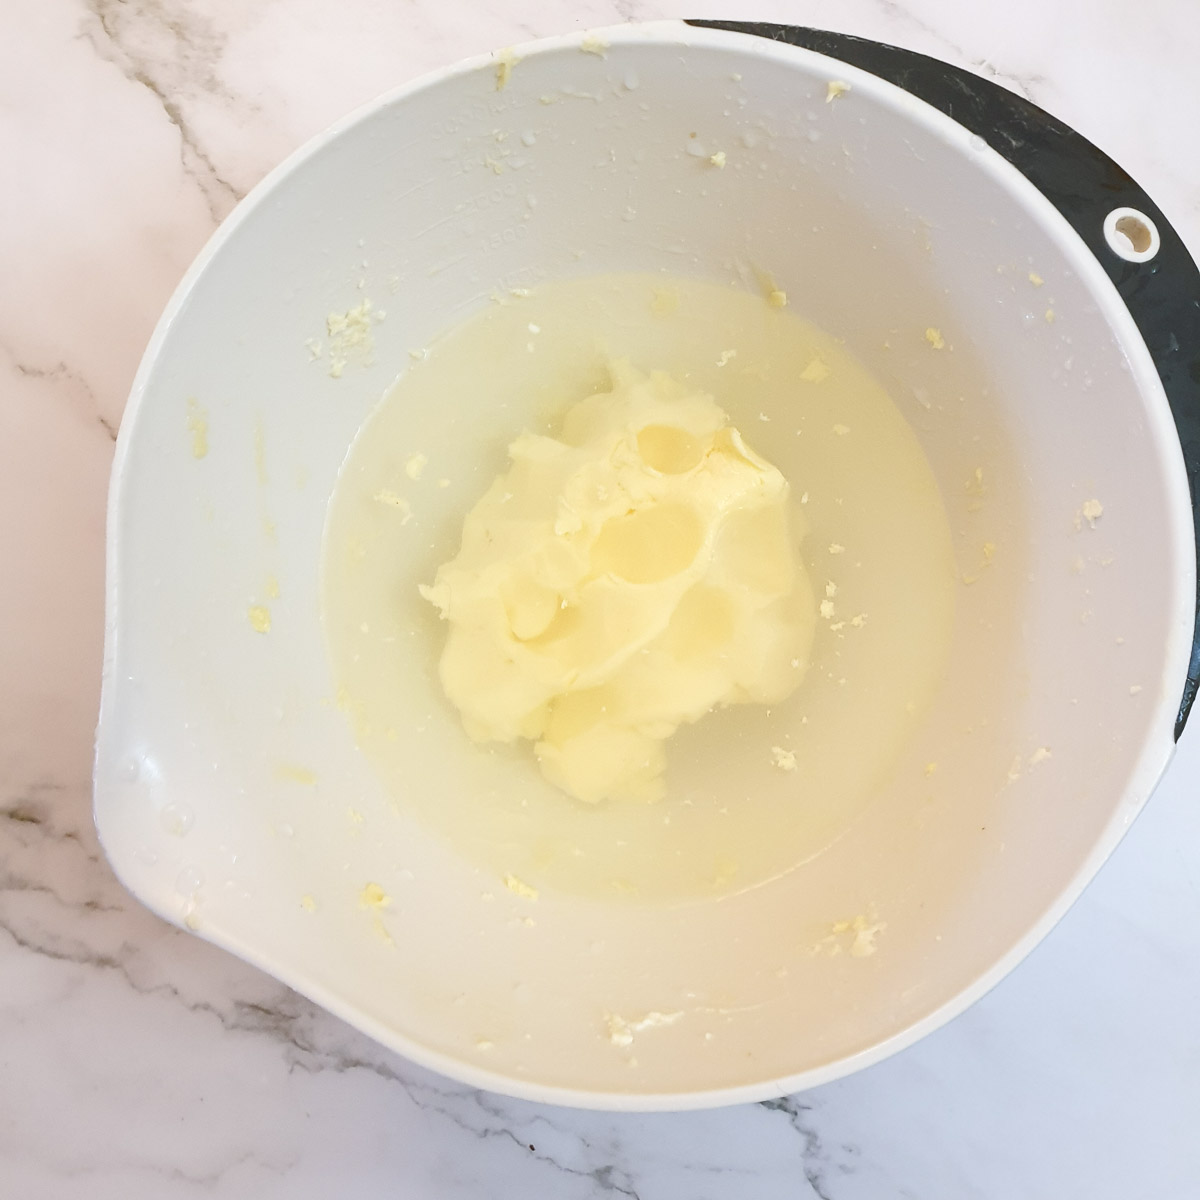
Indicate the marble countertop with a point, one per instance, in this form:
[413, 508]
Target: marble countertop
[139, 1062]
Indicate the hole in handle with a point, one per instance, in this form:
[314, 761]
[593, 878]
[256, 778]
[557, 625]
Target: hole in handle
[1131, 235]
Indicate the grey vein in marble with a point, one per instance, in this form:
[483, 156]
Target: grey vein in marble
[60, 372]
[171, 51]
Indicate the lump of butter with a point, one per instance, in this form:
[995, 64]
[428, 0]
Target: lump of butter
[629, 575]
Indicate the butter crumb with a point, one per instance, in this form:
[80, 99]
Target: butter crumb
[1014, 769]
[816, 371]
[483, 1044]
[827, 609]
[859, 621]
[314, 349]
[863, 945]
[1135, 688]
[260, 618]
[830, 589]
[835, 88]
[726, 355]
[272, 587]
[618, 1029]
[621, 1030]
[1049, 316]
[519, 888]
[1039, 755]
[930, 768]
[197, 423]
[1091, 512]
[505, 61]
[718, 159]
[784, 759]
[415, 466]
[594, 44]
[308, 903]
[349, 334]
[836, 548]
[777, 298]
[855, 936]
[934, 338]
[373, 897]
[1036, 279]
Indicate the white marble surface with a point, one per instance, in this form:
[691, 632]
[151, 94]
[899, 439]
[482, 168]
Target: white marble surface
[138, 1062]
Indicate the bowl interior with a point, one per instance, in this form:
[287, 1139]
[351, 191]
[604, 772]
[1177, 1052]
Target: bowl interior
[230, 794]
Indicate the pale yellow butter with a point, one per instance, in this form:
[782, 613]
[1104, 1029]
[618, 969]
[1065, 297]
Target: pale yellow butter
[619, 580]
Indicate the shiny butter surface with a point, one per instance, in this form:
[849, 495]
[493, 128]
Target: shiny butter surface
[619, 580]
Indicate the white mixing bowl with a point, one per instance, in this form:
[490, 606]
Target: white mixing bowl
[877, 214]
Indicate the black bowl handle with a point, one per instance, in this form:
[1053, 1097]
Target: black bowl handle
[1085, 185]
